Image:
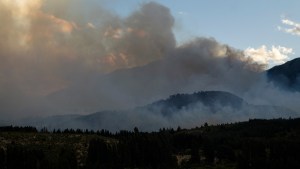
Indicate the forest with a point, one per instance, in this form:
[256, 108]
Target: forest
[253, 144]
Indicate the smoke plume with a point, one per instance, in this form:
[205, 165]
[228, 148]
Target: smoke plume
[49, 45]
[202, 64]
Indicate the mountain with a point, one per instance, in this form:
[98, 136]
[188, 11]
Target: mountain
[286, 76]
[186, 110]
[129, 91]
[210, 99]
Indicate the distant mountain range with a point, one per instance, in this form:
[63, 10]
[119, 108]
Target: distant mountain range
[286, 76]
[186, 110]
[176, 110]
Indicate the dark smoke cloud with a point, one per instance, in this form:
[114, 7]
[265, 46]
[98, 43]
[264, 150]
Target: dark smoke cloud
[49, 45]
[111, 42]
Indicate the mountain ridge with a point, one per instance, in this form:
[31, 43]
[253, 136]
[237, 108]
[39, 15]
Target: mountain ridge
[186, 110]
[286, 76]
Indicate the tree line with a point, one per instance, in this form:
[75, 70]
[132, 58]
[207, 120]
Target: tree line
[256, 144]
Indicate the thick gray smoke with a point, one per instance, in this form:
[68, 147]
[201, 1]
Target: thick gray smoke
[47, 46]
[75, 57]
[202, 64]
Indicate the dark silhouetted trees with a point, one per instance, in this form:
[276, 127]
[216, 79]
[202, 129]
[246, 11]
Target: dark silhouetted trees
[256, 144]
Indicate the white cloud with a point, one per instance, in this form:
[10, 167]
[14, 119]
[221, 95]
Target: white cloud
[275, 55]
[294, 27]
[182, 13]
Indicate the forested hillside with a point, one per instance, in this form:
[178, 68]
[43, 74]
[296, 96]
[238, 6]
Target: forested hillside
[253, 144]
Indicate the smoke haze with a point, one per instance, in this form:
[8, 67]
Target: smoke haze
[76, 57]
[49, 45]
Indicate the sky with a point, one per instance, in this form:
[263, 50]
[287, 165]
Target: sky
[241, 24]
